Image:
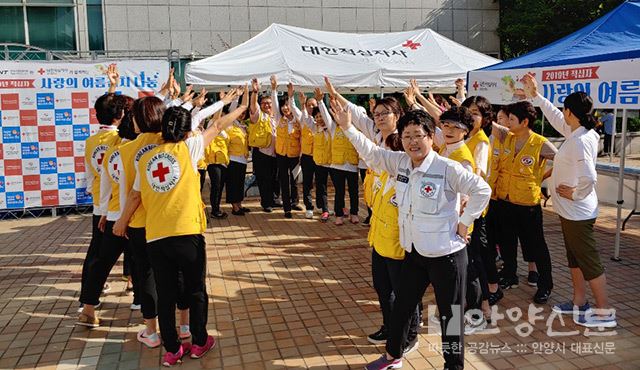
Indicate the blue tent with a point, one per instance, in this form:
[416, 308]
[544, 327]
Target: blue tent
[614, 36]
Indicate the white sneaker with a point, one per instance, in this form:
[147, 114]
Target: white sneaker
[95, 307]
[308, 214]
[135, 307]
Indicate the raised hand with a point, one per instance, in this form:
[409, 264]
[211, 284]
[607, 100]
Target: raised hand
[245, 96]
[341, 114]
[318, 94]
[409, 96]
[414, 86]
[201, 98]
[459, 84]
[372, 105]
[255, 85]
[229, 96]
[455, 101]
[188, 94]
[530, 85]
[302, 97]
[176, 88]
[330, 89]
[290, 91]
[113, 75]
[274, 82]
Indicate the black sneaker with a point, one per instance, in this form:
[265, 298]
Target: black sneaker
[277, 204]
[508, 283]
[532, 279]
[379, 337]
[296, 207]
[367, 221]
[542, 296]
[219, 215]
[288, 215]
[267, 209]
[495, 297]
[245, 209]
[410, 346]
[239, 212]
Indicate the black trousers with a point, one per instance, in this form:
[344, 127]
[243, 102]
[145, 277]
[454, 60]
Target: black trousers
[607, 143]
[489, 253]
[169, 257]
[523, 223]
[386, 279]
[339, 177]
[478, 286]
[448, 274]
[234, 181]
[363, 174]
[308, 171]
[288, 185]
[264, 167]
[217, 173]
[322, 176]
[108, 253]
[92, 252]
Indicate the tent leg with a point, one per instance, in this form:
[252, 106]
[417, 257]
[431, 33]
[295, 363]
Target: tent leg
[620, 202]
[613, 136]
[381, 93]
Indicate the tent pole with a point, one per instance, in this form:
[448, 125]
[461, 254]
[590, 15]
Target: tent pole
[616, 251]
[613, 136]
[542, 131]
[381, 93]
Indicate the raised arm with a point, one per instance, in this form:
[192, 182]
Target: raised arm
[333, 92]
[254, 108]
[376, 157]
[553, 114]
[328, 121]
[197, 119]
[222, 123]
[297, 113]
[274, 98]
[114, 76]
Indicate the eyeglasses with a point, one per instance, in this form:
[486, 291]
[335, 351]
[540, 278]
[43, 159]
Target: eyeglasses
[381, 114]
[409, 139]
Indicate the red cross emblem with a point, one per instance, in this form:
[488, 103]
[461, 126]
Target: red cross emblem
[428, 189]
[475, 85]
[115, 166]
[411, 45]
[101, 158]
[160, 172]
[41, 71]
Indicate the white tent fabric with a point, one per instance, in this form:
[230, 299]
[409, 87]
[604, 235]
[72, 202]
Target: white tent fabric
[357, 62]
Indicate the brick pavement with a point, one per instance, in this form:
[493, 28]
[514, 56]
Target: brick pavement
[284, 294]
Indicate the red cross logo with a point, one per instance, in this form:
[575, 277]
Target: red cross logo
[41, 71]
[115, 166]
[411, 45]
[160, 172]
[428, 189]
[475, 85]
[101, 158]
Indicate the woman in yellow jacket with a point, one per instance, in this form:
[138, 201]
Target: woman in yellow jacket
[169, 186]
[288, 149]
[236, 171]
[216, 159]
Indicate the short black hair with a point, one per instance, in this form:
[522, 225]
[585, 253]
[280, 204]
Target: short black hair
[107, 109]
[523, 110]
[419, 118]
[176, 124]
[125, 128]
[460, 115]
[484, 106]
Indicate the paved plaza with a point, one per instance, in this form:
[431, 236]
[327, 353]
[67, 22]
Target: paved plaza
[292, 294]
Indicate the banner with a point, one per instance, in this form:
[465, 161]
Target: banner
[46, 114]
[614, 84]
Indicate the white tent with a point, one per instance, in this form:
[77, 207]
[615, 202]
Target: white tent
[363, 63]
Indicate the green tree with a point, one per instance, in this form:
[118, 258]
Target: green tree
[526, 25]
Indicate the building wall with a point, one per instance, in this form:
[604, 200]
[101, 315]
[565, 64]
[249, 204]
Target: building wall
[207, 27]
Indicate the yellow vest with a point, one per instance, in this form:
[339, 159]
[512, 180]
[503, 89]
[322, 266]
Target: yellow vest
[216, 152]
[460, 155]
[131, 152]
[477, 138]
[288, 144]
[95, 147]
[367, 184]
[321, 148]
[384, 232]
[170, 191]
[342, 151]
[237, 142]
[112, 164]
[520, 174]
[260, 132]
[306, 141]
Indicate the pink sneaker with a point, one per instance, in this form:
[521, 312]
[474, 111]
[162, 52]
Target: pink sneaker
[169, 359]
[199, 351]
[151, 341]
[184, 332]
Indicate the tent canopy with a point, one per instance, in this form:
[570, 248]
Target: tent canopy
[356, 62]
[614, 36]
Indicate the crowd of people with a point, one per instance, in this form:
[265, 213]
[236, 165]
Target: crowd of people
[449, 187]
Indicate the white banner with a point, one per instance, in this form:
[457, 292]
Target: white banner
[46, 114]
[614, 84]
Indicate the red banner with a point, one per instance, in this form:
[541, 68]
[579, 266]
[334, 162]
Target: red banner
[17, 84]
[584, 73]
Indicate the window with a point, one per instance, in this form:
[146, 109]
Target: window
[95, 25]
[12, 29]
[50, 24]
